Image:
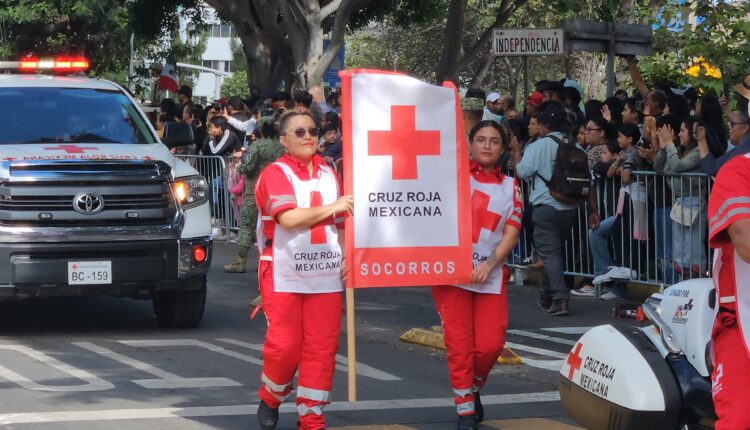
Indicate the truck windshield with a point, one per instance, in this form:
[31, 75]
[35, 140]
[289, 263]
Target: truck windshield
[70, 115]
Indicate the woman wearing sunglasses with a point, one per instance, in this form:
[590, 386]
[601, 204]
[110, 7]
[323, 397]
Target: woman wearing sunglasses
[475, 316]
[300, 273]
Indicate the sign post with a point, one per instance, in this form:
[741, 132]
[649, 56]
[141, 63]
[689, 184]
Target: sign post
[523, 42]
[527, 42]
[612, 38]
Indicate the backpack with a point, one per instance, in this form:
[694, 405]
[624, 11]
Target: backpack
[571, 177]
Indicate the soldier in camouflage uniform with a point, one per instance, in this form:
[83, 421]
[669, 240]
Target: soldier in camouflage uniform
[260, 154]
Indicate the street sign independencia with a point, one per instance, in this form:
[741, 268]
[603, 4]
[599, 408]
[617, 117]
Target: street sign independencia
[522, 42]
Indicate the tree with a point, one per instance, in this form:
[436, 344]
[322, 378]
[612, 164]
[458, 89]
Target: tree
[235, 85]
[97, 29]
[696, 38]
[453, 59]
[281, 39]
[411, 48]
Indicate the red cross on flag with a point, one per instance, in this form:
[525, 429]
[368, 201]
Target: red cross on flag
[406, 164]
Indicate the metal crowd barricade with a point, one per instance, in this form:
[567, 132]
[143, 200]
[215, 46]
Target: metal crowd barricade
[224, 215]
[661, 251]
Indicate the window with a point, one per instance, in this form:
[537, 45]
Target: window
[223, 66]
[221, 30]
[71, 115]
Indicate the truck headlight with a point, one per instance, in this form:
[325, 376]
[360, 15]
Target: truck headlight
[191, 191]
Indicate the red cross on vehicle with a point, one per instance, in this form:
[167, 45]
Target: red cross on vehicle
[575, 361]
[317, 231]
[403, 143]
[71, 149]
[482, 218]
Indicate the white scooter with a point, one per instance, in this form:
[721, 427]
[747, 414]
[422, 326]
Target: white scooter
[653, 377]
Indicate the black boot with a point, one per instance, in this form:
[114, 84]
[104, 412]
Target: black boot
[268, 417]
[544, 303]
[478, 408]
[467, 422]
[559, 308]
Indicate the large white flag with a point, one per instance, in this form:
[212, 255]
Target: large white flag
[406, 164]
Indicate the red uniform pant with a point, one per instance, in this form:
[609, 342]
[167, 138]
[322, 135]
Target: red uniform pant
[474, 325]
[731, 376]
[303, 334]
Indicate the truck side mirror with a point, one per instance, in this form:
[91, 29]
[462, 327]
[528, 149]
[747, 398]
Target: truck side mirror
[177, 134]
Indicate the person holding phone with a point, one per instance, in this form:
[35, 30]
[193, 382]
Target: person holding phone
[300, 273]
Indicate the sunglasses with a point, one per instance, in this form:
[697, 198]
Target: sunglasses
[300, 132]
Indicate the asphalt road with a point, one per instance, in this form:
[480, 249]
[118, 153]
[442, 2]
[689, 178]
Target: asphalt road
[99, 363]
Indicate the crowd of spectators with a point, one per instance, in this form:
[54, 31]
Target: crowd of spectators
[651, 154]
[231, 125]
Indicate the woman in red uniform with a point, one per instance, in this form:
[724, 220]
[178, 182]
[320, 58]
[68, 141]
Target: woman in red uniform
[300, 273]
[475, 317]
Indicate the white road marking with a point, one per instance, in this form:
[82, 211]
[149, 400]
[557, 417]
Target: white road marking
[568, 330]
[92, 382]
[365, 370]
[254, 346]
[534, 350]
[166, 380]
[553, 365]
[192, 342]
[362, 369]
[542, 337]
[214, 411]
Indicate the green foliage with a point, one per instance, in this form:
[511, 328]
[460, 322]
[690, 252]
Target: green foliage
[98, 29]
[720, 36]
[236, 85]
[662, 68]
[188, 51]
[239, 59]
[153, 19]
[402, 13]
[414, 50]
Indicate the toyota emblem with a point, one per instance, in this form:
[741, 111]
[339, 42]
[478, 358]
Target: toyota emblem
[88, 204]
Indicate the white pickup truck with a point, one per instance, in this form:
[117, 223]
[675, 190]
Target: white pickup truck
[91, 201]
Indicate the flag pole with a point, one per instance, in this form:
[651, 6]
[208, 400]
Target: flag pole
[346, 128]
[351, 349]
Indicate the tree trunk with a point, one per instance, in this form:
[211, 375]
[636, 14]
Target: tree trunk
[293, 45]
[481, 72]
[505, 9]
[264, 67]
[306, 22]
[266, 57]
[514, 74]
[454, 30]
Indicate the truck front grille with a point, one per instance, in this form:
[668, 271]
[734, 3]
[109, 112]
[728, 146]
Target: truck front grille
[43, 195]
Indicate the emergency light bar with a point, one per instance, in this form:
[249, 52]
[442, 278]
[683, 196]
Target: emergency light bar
[62, 64]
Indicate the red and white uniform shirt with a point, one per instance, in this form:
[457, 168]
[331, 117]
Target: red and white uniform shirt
[730, 202]
[495, 202]
[306, 260]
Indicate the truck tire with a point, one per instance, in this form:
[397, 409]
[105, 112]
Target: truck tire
[181, 308]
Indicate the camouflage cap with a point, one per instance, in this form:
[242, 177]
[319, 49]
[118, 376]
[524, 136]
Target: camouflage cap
[472, 103]
[266, 120]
